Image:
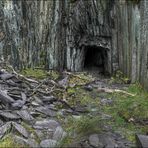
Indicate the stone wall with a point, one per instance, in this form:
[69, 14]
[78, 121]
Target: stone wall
[130, 39]
[54, 34]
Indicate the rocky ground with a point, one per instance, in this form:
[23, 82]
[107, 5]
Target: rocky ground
[65, 111]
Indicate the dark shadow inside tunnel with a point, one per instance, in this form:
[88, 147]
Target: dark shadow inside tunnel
[95, 59]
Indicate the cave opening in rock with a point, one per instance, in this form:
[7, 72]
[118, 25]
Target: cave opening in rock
[95, 59]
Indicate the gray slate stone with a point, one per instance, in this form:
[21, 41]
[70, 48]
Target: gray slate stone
[48, 143]
[46, 111]
[142, 141]
[94, 141]
[9, 116]
[18, 104]
[6, 76]
[20, 129]
[4, 129]
[58, 134]
[46, 124]
[25, 115]
[5, 98]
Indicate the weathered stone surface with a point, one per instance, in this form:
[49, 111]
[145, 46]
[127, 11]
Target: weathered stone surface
[25, 115]
[5, 98]
[46, 124]
[49, 99]
[4, 129]
[46, 111]
[58, 134]
[95, 141]
[48, 143]
[9, 116]
[6, 76]
[18, 104]
[20, 129]
[142, 141]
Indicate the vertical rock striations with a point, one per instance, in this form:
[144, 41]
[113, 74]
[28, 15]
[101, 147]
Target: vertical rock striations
[57, 34]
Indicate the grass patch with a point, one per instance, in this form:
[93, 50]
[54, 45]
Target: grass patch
[35, 73]
[8, 141]
[130, 113]
[79, 127]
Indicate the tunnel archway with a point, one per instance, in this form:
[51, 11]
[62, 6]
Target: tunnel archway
[96, 58]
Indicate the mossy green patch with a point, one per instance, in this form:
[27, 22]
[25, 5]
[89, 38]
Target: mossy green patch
[35, 73]
[53, 74]
[80, 79]
[78, 96]
[120, 78]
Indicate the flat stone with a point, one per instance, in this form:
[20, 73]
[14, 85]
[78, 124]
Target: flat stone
[9, 116]
[107, 140]
[58, 134]
[142, 141]
[49, 143]
[64, 82]
[49, 99]
[94, 141]
[46, 124]
[18, 104]
[5, 98]
[6, 76]
[32, 143]
[25, 115]
[4, 129]
[44, 134]
[106, 101]
[20, 129]
[24, 97]
[46, 111]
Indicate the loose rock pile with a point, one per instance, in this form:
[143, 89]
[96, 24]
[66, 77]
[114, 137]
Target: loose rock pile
[21, 104]
[28, 112]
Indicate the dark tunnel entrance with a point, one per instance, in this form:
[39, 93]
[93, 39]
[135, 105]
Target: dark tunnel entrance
[95, 59]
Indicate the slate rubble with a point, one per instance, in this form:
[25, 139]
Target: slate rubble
[27, 103]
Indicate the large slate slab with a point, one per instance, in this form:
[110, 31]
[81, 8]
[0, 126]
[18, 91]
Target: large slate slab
[46, 124]
[25, 115]
[9, 116]
[46, 111]
[142, 141]
[20, 129]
